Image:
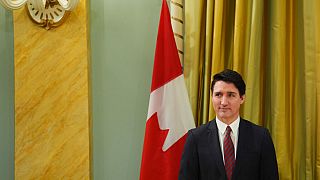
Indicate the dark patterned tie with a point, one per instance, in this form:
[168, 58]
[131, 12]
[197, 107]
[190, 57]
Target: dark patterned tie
[228, 149]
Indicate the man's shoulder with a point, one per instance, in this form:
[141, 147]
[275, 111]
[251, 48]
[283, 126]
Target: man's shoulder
[253, 126]
[203, 128]
[249, 123]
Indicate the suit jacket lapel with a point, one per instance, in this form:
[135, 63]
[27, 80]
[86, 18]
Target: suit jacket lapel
[214, 146]
[244, 135]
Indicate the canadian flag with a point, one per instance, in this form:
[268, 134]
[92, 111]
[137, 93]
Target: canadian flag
[169, 114]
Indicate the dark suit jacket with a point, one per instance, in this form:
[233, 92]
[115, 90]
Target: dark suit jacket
[202, 156]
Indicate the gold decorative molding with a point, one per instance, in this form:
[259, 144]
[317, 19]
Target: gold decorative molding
[45, 13]
[53, 15]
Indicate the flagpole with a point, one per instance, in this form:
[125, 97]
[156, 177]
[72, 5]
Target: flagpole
[177, 21]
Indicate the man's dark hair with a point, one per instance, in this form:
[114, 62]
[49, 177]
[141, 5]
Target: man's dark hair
[230, 76]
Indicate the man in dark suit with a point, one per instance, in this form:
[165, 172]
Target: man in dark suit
[228, 147]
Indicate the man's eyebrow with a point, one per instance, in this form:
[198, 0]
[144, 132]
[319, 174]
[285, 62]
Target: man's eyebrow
[230, 92]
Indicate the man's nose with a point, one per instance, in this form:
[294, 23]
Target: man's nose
[224, 100]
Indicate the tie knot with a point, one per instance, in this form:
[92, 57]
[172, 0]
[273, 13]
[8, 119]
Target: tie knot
[228, 130]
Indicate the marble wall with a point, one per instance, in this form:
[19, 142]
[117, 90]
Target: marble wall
[52, 98]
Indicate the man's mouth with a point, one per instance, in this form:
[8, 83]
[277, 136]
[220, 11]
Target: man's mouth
[224, 109]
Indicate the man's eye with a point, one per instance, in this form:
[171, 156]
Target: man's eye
[217, 94]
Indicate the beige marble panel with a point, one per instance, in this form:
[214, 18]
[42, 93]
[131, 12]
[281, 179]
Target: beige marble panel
[52, 112]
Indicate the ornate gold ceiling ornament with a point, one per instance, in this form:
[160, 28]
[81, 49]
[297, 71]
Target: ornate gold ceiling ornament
[45, 13]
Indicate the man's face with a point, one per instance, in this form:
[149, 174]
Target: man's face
[226, 101]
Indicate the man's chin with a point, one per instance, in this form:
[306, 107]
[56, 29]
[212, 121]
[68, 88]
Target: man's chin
[223, 116]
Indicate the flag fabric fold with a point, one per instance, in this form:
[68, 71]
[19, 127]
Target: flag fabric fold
[169, 113]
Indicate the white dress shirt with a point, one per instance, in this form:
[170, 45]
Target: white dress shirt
[234, 134]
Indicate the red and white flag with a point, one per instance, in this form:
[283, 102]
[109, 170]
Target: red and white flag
[169, 114]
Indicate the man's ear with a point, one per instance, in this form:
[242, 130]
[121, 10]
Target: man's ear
[243, 97]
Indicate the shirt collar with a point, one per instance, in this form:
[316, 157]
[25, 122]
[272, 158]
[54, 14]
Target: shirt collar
[234, 125]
